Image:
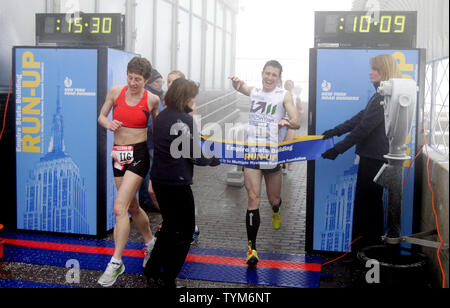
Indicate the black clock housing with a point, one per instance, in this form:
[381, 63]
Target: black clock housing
[357, 29]
[80, 30]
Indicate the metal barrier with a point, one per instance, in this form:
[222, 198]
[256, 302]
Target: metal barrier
[2, 242]
[436, 104]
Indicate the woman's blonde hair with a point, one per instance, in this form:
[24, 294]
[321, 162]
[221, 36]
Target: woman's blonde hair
[180, 93]
[387, 66]
[177, 73]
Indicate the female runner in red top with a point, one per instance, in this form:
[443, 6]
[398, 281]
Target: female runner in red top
[132, 106]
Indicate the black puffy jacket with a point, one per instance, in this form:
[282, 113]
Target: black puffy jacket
[176, 171]
[367, 131]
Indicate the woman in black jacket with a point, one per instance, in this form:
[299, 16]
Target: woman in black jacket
[175, 142]
[367, 131]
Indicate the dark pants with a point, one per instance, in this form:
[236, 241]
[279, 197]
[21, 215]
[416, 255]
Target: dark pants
[145, 201]
[368, 217]
[174, 239]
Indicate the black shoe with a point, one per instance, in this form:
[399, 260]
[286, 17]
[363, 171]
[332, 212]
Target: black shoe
[165, 284]
[152, 282]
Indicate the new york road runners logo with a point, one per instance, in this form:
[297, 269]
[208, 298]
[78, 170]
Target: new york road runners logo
[326, 86]
[263, 108]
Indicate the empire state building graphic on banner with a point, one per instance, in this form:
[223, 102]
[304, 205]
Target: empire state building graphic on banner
[337, 234]
[55, 190]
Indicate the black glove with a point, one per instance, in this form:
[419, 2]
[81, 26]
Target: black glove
[204, 162]
[201, 162]
[330, 154]
[215, 162]
[329, 134]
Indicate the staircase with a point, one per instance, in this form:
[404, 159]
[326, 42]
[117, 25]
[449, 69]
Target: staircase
[217, 107]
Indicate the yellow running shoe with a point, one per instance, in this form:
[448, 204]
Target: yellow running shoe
[276, 220]
[252, 256]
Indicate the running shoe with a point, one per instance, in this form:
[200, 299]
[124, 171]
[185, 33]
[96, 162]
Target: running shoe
[196, 235]
[276, 220]
[148, 251]
[109, 277]
[252, 256]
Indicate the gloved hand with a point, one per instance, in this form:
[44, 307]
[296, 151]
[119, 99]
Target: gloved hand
[331, 154]
[215, 162]
[204, 162]
[329, 134]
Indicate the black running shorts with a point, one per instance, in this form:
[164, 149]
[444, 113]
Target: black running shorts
[140, 164]
[265, 171]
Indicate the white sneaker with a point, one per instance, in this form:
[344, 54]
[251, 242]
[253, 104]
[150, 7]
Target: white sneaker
[109, 277]
[148, 251]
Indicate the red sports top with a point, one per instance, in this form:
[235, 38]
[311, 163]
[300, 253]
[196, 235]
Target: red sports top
[131, 116]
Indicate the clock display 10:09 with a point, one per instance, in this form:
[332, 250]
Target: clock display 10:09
[366, 24]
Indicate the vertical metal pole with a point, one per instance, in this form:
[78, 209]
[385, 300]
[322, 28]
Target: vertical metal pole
[214, 43]
[155, 30]
[233, 43]
[175, 36]
[52, 6]
[190, 40]
[203, 50]
[96, 6]
[48, 6]
[395, 195]
[224, 44]
[130, 25]
[433, 103]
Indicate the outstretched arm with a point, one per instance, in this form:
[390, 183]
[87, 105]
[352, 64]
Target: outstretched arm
[240, 86]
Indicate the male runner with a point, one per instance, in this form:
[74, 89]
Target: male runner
[266, 118]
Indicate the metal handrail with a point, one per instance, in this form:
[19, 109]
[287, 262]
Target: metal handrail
[215, 100]
[220, 109]
[437, 60]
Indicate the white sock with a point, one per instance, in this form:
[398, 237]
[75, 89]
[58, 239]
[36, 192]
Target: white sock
[115, 261]
[151, 243]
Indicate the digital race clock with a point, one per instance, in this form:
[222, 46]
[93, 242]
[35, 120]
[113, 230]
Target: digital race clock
[366, 30]
[80, 29]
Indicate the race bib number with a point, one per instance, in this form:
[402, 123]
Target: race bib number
[122, 155]
[263, 133]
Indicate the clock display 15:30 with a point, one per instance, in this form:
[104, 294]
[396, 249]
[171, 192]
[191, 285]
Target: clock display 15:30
[80, 25]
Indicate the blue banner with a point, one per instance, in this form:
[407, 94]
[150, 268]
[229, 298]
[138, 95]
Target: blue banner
[302, 148]
[56, 140]
[343, 89]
